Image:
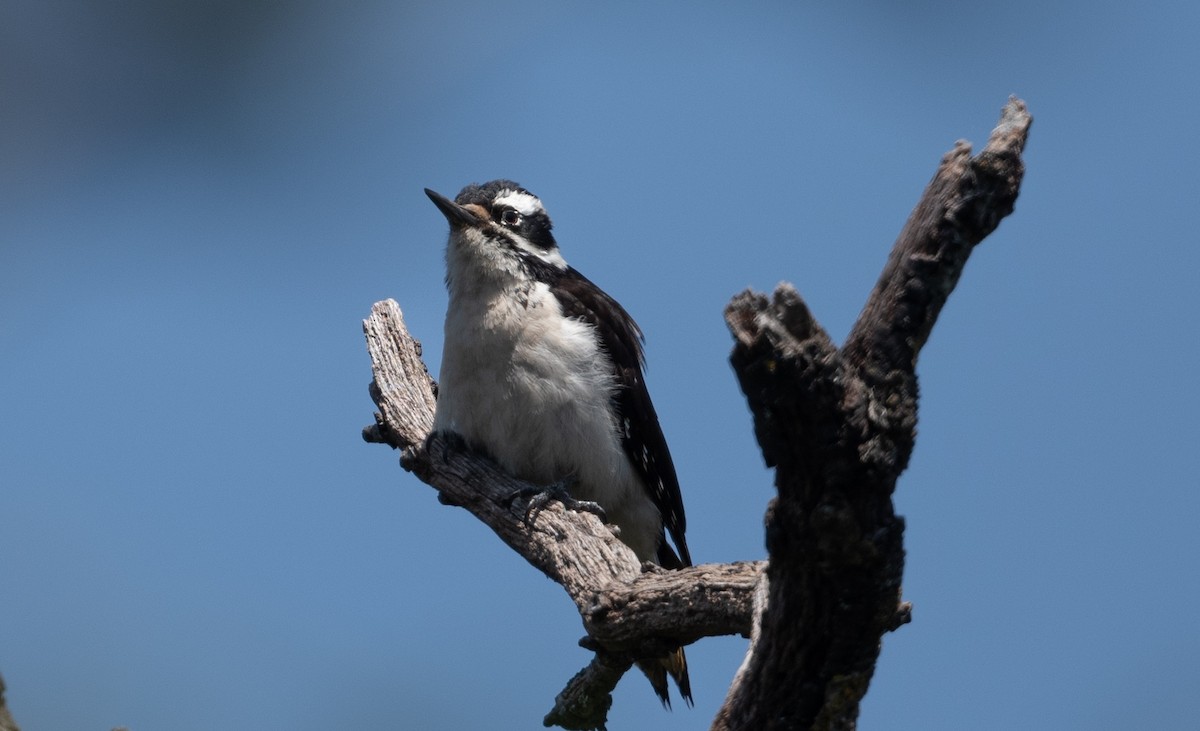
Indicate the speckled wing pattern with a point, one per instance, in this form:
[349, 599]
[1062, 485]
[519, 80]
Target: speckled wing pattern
[641, 434]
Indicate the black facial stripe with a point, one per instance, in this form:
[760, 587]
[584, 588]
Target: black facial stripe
[535, 266]
[539, 270]
[536, 230]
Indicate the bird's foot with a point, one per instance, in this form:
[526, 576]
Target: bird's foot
[453, 441]
[540, 497]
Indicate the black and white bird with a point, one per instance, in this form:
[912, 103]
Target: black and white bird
[542, 370]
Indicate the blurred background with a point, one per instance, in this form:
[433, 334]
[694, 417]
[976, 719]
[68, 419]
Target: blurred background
[200, 201]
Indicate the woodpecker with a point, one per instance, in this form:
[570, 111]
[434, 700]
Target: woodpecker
[542, 371]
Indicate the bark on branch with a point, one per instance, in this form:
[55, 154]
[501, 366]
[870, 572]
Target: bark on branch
[6, 720]
[628, 615]
[838, 425]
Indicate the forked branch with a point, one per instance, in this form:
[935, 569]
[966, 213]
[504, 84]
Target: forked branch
[838, 425]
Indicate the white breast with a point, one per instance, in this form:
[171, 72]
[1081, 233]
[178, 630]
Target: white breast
[533, 389]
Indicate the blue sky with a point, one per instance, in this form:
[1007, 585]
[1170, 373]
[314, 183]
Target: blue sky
[199, 202]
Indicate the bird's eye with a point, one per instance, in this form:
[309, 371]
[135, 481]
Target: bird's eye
[509, 217]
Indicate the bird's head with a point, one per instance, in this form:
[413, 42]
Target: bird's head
[499, 227]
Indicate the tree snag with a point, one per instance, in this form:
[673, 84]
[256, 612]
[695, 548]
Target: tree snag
[6, 720]
[838, 426]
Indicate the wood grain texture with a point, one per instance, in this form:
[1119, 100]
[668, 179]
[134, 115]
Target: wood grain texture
[629, 615]
[837, 424]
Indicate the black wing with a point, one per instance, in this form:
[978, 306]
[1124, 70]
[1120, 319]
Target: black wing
[641, 434]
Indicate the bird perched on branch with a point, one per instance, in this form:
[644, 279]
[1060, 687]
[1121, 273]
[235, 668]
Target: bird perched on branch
[542, 370]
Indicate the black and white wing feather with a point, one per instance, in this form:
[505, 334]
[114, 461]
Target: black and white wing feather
[637, 420]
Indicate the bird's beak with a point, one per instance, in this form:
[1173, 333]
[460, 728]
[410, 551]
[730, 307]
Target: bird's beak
[457, 215]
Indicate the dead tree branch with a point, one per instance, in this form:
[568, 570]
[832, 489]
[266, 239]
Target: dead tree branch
[6, 720]
[628, 615]
[838, 425]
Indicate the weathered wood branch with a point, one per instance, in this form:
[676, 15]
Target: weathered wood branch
[839, 425]
[584, 703]
[6, 720]
[683, 605]
[964, 202]
[629, 615]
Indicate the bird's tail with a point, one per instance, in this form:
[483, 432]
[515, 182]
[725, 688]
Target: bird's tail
[657, 670]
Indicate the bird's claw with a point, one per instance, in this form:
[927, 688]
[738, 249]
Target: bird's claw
[452, 441]
[540, 497]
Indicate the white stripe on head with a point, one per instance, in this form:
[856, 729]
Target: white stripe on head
[552, 257]
[526, 204]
